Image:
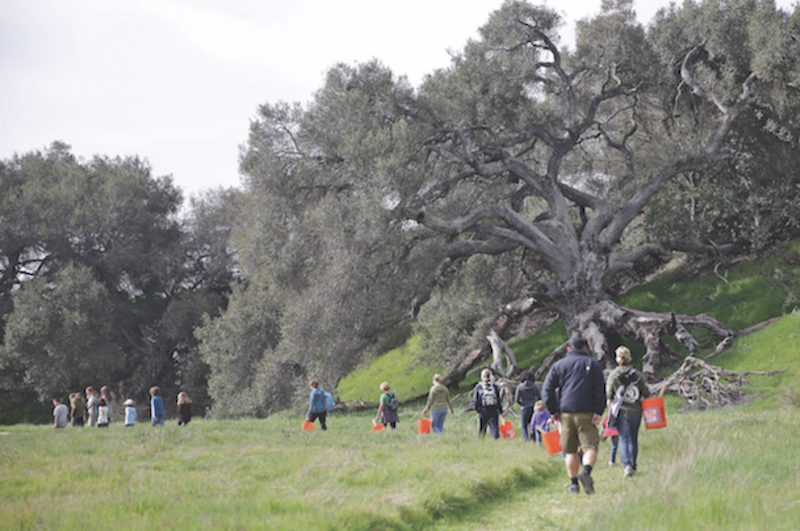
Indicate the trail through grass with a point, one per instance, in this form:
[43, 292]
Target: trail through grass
[726, 469]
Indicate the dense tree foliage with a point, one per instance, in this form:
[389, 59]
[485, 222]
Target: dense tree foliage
[525, 169]
[101, 282]
[524, 175]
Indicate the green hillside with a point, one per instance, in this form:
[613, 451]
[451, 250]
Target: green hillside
[752, 291]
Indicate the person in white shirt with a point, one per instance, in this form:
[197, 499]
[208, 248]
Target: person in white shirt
[60, 414]
[130, 413]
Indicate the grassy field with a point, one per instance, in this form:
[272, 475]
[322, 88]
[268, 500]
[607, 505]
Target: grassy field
[733, 468]
[736, 468]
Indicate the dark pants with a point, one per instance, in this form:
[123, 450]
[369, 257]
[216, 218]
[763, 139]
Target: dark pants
[321, 416]
[490, 418]
[526, 412]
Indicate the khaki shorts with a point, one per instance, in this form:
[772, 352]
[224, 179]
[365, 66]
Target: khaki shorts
[578, 432]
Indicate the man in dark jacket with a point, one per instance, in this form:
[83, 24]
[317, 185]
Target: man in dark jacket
[575, 395]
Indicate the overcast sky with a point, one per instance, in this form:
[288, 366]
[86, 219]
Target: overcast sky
[178, 81]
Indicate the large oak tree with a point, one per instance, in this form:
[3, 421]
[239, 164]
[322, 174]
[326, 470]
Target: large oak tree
[525, 169]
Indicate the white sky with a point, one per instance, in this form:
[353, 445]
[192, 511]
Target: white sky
[177, 81]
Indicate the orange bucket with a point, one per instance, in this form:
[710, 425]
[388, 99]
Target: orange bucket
[507, 430]
[423, 426]
[654, 414]
[552, 442]
[378, 427]
[308, 426]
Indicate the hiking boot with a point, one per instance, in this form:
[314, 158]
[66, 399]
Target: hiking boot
[629, 471]
[573, 489]
[587, 482]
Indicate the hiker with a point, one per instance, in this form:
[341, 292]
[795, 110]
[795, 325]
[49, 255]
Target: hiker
[92, 403]
[438, 404]
[60, 414]
[575, 395]
[387, 407]
[102, 413]
[78, 409]
[130, 413]
[539, 421]
[526, 395]
[318, 409]
[487, 404]
[157, 413]
[105, 393]
[184, 409]
[627, 384]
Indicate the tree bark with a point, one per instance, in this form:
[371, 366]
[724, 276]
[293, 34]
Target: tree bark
[606, 318]
[509, 315]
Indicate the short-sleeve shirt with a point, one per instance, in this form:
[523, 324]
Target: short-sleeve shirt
[61, 413]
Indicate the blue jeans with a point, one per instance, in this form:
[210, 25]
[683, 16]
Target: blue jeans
[614, 445]
[628, 427]
[526, 412]
[437, 419]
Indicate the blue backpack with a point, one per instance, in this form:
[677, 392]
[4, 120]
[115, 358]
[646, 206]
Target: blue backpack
[329, 401]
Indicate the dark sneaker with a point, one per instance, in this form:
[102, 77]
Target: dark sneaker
[587, 482]
[573, 489]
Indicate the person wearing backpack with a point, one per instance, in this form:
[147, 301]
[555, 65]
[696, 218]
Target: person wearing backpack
[387, 407]
[628, 386]
[318, 409]
[487, 404]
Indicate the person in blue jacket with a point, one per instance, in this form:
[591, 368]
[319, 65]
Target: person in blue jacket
[157, 414]
[574, 393]
[318, 409]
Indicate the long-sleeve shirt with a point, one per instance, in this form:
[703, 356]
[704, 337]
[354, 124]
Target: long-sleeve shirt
[438, 398]
[318, 402]
[527, 393]
[157, 408]
[635, 391]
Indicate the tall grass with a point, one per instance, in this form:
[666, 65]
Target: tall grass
[722, 469]
[251, 474]
[735, 468]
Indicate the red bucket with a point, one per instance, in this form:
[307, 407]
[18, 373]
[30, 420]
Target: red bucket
[653, 413]
[507, 430]
[378, 427]
[552, 441]
[423, 426]
[308, 426]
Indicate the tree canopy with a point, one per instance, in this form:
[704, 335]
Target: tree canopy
[526, 176]
[547, 171]
[100, 280]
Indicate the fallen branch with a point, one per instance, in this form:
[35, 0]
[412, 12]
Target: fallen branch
[705, 386]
